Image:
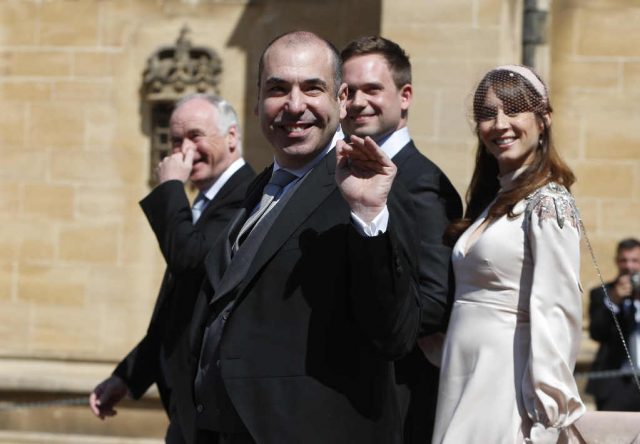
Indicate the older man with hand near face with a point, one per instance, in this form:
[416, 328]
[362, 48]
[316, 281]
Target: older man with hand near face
[207, 151]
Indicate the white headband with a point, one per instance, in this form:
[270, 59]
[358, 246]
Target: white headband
[529, 76]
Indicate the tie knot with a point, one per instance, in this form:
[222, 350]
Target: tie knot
[279, 180]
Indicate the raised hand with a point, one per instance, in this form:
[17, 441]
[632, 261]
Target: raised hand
[176, 166]
[621, 289]
[364, 175]
[106, 395]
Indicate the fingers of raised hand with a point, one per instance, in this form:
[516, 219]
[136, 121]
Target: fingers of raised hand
[188, 156]
[368, 149]
[375, 152]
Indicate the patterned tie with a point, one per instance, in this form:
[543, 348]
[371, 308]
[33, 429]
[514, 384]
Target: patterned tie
[272, 191]
[198, 207]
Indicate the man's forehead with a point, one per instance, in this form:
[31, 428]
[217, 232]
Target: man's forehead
[635, 251]
[282, 53]
[308, 76]
[366, 60]
[194, 110]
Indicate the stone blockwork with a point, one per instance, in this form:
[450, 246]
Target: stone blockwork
[79, 266]
[595, 89]
[72, 171]
[451, 43]
[593, 77]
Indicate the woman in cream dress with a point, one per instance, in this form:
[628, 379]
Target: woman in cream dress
[514, 333]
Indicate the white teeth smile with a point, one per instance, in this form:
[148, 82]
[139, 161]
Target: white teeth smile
[294, 128]
[504, 141]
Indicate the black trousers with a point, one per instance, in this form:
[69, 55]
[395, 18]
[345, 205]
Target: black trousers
[209, 437]
[623, 396]
[174, 434]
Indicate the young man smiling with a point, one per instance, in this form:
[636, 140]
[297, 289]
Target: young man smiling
[377, 72]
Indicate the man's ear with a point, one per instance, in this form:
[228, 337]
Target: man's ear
[342, 100]
[232, 138]
[406, 94]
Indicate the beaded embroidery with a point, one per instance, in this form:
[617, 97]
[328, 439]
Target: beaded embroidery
[553, 201]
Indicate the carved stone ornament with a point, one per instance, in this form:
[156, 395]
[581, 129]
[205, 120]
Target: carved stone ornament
[173, 71]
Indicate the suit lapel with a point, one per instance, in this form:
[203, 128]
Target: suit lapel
[219, 257]
[216, 262]
[226, 192]
[404, 154]
[317, 186]
[313, 189]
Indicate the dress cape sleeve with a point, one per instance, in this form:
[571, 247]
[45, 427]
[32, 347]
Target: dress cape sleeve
[549, 389]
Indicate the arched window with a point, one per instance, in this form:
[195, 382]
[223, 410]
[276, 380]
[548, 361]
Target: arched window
[171, 73]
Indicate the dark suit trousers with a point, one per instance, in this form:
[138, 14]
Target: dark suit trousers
[207, 437]
[174, 433]
[623, 396]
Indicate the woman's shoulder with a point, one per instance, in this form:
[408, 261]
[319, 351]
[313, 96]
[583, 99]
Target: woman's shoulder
[553, 202]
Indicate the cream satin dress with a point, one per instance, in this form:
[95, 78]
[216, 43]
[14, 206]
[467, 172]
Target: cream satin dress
[515, 328]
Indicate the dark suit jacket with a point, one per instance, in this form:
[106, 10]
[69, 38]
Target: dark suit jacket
[184, 247]
[306, 353]
[611, 354]
[434, 202]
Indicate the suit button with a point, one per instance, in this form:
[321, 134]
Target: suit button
[225, 316]
[199, 408]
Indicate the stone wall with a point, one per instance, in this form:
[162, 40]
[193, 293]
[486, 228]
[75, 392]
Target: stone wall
[79, 266]
[595, 81]
[452, 43]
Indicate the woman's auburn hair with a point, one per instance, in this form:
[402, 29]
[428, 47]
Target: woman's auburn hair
[547, 165]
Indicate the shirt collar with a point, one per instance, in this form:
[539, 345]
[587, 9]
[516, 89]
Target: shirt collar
[224, 177]
[395, 141]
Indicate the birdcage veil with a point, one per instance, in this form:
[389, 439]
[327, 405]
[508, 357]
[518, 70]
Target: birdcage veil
[517, 89]
[508, 90]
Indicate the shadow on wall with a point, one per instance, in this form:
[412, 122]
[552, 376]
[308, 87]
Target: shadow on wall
[339, 21]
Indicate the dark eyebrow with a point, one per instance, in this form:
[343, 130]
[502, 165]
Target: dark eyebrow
[316, 82]
[312, 81]
[368, 85]
[274, 80]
